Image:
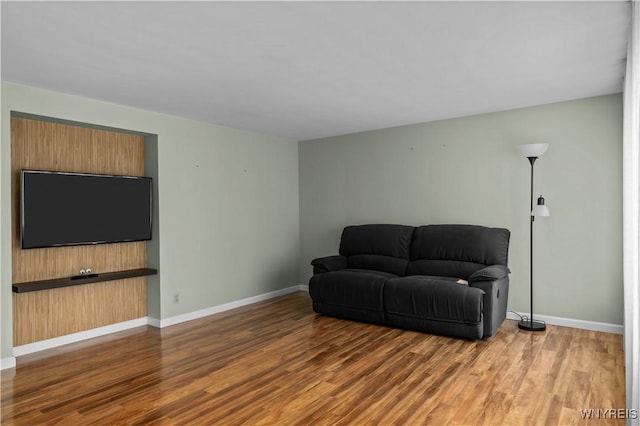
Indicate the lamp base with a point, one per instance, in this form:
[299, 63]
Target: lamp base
[532, 325]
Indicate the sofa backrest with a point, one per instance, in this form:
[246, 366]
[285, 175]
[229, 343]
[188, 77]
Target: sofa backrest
[457, 250]
[378, 247]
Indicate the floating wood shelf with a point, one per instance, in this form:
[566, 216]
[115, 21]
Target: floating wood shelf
[80, 280]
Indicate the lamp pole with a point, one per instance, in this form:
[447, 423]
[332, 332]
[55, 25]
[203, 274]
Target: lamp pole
[531, 325]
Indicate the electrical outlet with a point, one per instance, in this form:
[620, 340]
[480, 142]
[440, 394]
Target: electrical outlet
[176, 298]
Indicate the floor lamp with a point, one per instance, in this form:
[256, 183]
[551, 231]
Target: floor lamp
[532, 152]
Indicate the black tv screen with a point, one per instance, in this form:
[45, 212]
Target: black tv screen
[61, 209]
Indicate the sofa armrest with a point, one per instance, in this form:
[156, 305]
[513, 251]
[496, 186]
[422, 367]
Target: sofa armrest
[496, 295]
[490, 273]
[328, 264]
[494, 280]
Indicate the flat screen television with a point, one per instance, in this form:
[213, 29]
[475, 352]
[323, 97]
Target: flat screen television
[65, 209]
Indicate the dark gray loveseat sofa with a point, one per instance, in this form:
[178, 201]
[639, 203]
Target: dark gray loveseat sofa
[406, 277]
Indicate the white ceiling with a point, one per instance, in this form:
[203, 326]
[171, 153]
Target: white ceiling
[306, 70]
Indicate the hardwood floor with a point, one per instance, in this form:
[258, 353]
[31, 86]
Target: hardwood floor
[278, 363]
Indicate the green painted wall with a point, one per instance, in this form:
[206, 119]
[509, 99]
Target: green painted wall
[468, 170]
[228, 224]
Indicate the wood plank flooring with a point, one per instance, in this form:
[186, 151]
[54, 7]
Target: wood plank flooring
[278, 363]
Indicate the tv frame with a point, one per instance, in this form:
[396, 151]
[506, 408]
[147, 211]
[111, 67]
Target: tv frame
[87, 243]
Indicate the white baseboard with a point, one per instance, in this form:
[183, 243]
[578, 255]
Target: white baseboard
[573, 323]
[8, 362]
[76, 337]
[154, 322]
[303, 287]
[167, 322]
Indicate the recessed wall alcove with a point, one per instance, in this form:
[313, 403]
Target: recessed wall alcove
[45, 143]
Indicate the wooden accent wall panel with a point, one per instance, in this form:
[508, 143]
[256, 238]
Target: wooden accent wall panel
[43, 145]
[72, 309]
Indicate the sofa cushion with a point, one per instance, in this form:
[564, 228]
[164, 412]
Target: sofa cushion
[378, 262]
[377, 247]
[386, 240]
[433, 298]
[354, 288]
[456, 250]
[443, 268]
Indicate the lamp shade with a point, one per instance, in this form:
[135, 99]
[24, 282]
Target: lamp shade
[533, 149]
[540, 209]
